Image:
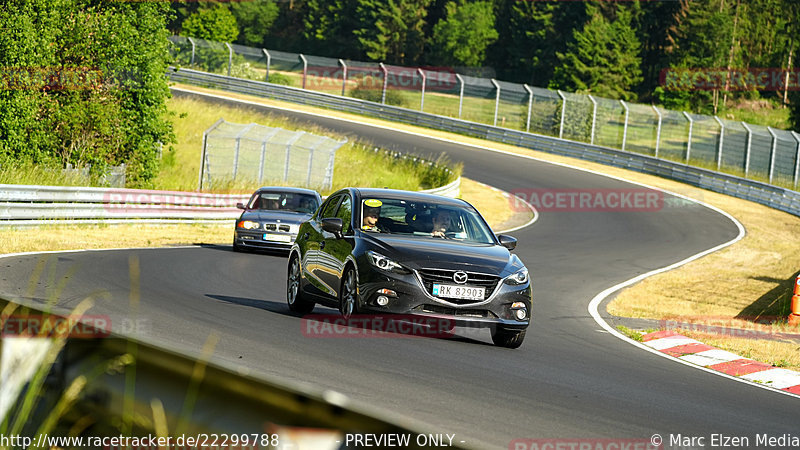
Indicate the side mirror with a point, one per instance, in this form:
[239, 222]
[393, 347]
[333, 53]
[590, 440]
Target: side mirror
[333, 225]
[507, 241]
[240, 205]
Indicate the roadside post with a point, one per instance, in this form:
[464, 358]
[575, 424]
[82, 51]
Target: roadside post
[794, 317]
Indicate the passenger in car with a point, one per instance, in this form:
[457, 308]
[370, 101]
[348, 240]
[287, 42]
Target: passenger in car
[370, 221]
[442, 222]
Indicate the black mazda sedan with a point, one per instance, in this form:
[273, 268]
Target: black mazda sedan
[272, 216]
[382, 251]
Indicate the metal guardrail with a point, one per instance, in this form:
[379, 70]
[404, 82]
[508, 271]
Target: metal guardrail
[37, 205]
[776, 197]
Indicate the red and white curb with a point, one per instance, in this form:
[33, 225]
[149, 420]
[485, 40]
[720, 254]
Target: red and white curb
[703, 355]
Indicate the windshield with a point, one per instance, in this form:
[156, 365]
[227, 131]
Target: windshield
[424, 220]
[284, 201]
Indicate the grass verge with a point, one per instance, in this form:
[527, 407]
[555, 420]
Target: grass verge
[751, 278]
[356, 164]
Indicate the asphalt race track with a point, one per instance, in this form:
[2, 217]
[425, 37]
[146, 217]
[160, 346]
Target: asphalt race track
[568, 380]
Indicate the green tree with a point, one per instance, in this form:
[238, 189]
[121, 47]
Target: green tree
[88, 86]
[700, 43]
[392, 30]
[463, 36]
[329, 27]
[532, 34]
[212, 24]
[604, 57]
[255, 18]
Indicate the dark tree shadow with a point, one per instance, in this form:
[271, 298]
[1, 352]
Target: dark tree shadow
[774, 305]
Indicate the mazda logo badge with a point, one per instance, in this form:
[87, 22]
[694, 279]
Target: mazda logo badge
[460, 277]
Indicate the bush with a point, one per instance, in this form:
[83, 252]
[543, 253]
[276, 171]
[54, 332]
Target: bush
[371, 89]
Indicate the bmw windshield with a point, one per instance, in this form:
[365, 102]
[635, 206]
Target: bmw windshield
[424, 220]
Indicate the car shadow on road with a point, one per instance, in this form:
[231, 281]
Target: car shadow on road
[278, 307]
[229, 248]
[353, 328]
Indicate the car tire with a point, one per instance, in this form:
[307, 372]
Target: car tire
[508, 338]
[294, 296]
[348, 294]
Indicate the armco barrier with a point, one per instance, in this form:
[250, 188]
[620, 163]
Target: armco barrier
[36, 205]
[776, 197]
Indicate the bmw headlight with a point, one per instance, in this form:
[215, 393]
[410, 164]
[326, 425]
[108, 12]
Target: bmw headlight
[248, 225]
[384, 263]
[518, 277]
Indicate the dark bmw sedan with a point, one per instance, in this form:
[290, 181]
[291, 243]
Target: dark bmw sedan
[382, 251]
[272, 217]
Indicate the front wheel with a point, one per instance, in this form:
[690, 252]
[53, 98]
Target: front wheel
[294, 295]
[508, 338]
[348, 295]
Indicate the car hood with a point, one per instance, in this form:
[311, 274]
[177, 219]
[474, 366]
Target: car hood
[422, 253]
[275, 216]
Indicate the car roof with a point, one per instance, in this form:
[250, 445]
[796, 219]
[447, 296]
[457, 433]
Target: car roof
[409, 195]
[294, 190]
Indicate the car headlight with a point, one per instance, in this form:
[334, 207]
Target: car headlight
[248, 225]
[384, 263]
[518, 277]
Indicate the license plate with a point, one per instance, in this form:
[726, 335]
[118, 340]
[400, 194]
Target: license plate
[462, 292]
[277, 237]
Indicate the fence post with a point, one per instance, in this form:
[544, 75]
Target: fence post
[289, 145]
[422, 99]
[305, 69]
[594, 118]
[236, 148]
[344, 75]
[658, 129]
[191, 41]
[496, 100]
[721, 139]
[264, 153]
[328, 181]
[796, 158]
[203, 154]
[230, 57]
[269, 60]
[460, 94]
[772, 153]
[563, 113]
[530, 105]
[625, 127]
[689, 140]
[747, 149]
[261, 160]
[311, 158]
[385, 82]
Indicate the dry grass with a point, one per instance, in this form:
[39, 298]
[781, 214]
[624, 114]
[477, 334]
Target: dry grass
[492, 204]
[73, 237]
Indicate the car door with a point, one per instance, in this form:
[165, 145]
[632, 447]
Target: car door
[313, 236]
[335, 249]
